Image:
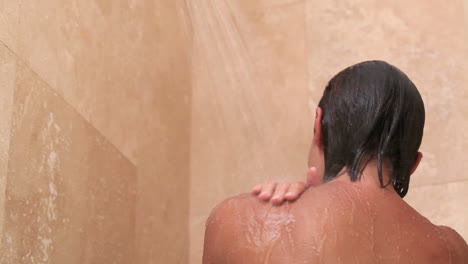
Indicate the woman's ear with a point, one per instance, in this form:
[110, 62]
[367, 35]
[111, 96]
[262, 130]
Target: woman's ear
[318, 128]
[416, 163]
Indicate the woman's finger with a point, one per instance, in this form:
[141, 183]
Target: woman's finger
[257, 189]
[295, 190]
[280, 191]
[267, 191]
[313, 178]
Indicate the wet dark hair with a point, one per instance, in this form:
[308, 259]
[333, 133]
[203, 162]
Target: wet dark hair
[372, 110]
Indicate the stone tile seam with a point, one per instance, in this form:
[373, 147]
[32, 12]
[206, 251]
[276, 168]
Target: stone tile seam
[21, 61]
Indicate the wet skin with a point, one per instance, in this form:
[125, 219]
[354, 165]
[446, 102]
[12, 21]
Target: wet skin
[337, 222]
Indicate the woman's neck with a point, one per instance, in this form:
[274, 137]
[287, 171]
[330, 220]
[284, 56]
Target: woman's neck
[369, 178]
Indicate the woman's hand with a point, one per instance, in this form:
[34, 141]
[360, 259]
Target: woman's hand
[289, 191]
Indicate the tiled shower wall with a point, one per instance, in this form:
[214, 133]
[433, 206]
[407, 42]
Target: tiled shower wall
[94, 131]
[260, 68]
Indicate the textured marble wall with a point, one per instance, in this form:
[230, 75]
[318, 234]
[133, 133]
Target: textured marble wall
[7, 80]
[259, 68]
[118, 73]
[67, 188]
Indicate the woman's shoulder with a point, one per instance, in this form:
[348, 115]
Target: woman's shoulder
[457, 246]
[243, 227]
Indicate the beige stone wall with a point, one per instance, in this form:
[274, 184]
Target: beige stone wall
[251, 116]
[94, 131]
[259, 68]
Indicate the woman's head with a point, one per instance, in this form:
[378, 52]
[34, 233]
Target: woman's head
[369, 111]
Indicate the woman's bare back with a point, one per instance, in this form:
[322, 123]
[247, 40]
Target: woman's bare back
[337, 222]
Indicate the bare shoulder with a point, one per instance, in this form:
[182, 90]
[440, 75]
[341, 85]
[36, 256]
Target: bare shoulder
[231, 209]
[458, 246]
[243, 229]
[224, 225]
